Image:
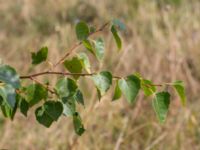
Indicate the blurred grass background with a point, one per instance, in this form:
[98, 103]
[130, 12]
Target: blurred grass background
[162, 42]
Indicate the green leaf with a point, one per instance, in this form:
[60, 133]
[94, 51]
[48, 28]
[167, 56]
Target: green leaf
[69, 106]
[180, 89]
[66, 87]
[147, 87]
[119, 24]
[7, 111]
[88, 46]
[7, 92]
[35, 93]
[78, 126]
[85, 61]
[99, 48]
[74, 66]
[82, 31]
[9, 75]
[103, 81]
[49, 112]
[42, 117]
[39, 56]
[160, 104]
[130, 87]
[24, 106]
[54, 109]
[78, 96]
[116, 37]
[117, 92]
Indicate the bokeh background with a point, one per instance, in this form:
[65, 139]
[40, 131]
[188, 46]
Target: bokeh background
[162, 42]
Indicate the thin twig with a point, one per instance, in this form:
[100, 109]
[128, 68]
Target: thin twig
[150, 85]
[55, 73]
[67, 54]
[59, 73]
[45, 86]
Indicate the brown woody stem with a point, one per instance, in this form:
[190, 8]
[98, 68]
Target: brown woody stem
[59, 73]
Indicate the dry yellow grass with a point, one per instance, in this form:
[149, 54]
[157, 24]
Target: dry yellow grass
[162, 43]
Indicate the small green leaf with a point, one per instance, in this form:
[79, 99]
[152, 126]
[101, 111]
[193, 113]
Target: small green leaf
[78, 126]
[78, 96]
[130, 87]
[180, 89]
[160, 104]
[85, 61]
[88, 46]
[9, 75]
[7, 111]
[119, 24]
[7, 92]
[69, 106]
[82, 31]
[54, 109]
[99, 48]
[49, 112]
[35, 93]
[74, 66]
[66, 87]
[103, 81]
[42, 117]
[24, 107]
[117, 92]
[116, 37]
[40, 56]
[147, 87]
